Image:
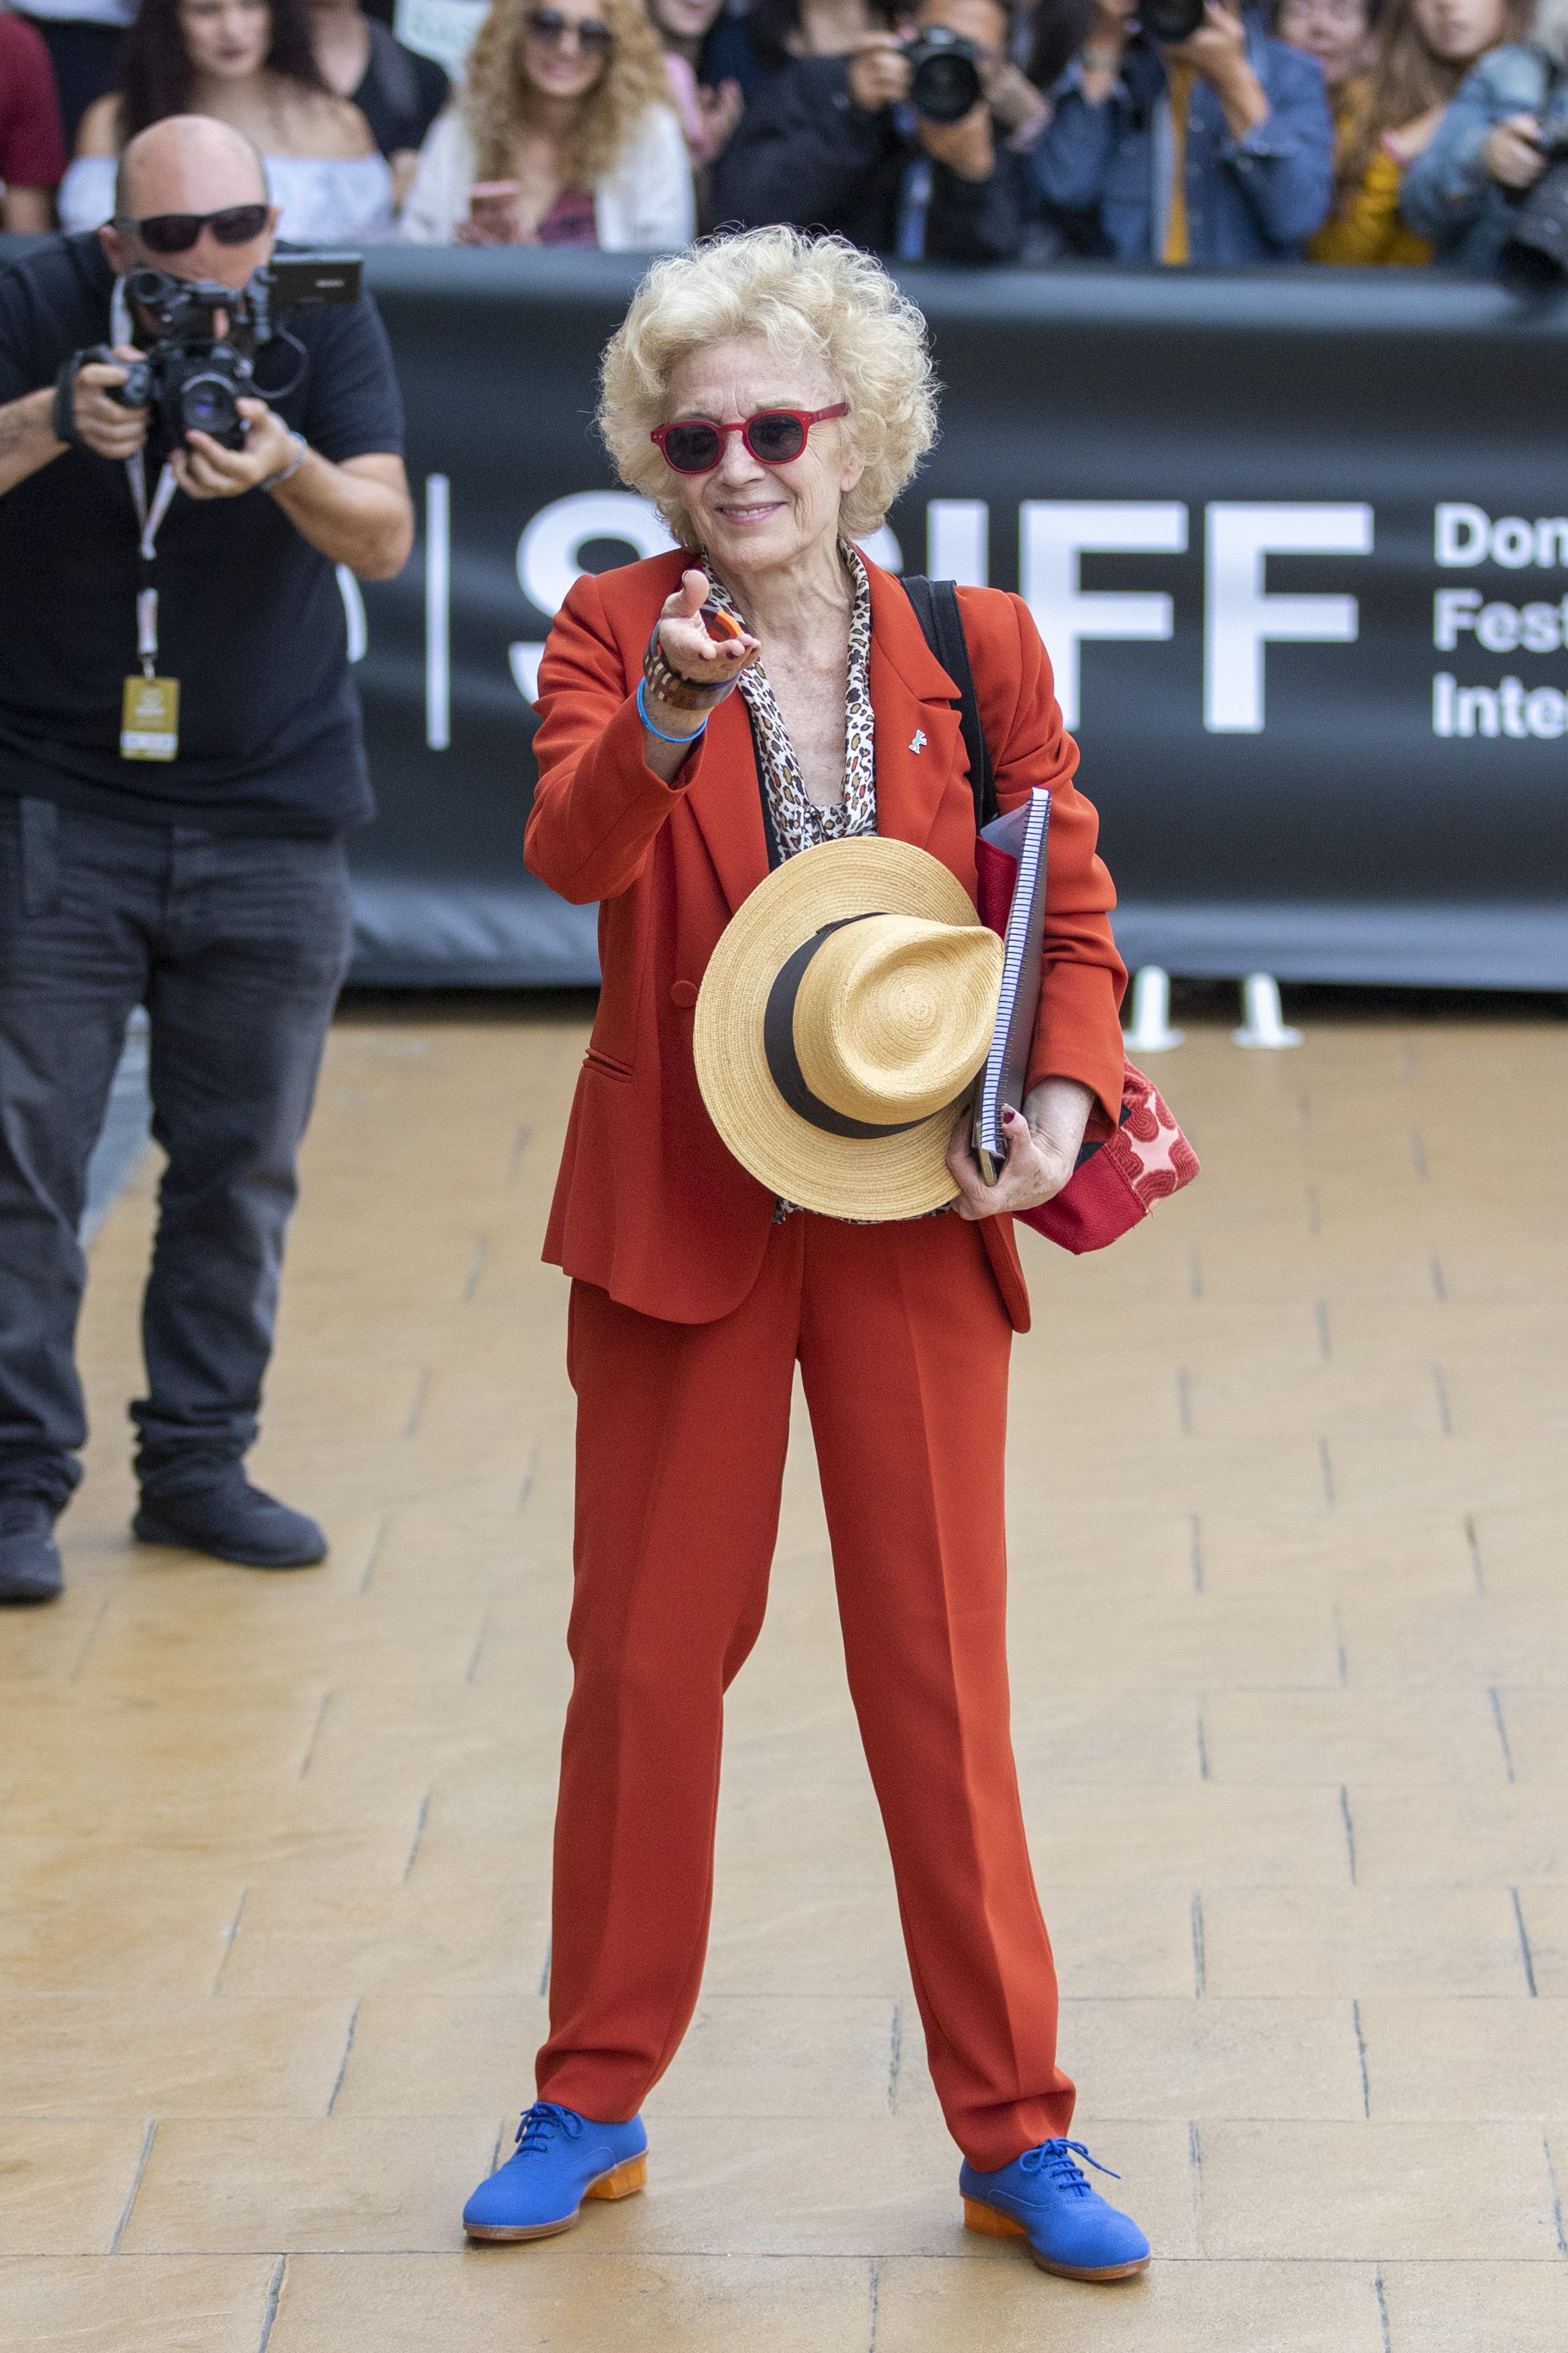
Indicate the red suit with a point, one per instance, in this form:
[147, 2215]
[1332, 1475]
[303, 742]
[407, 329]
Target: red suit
[690, 1309]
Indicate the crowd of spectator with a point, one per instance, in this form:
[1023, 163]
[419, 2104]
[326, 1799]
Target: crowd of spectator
[1396, 134]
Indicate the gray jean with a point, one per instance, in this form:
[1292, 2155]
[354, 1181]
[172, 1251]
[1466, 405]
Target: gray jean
[237, 949]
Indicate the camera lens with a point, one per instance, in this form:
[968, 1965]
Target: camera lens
[207, 406]
[944, 81]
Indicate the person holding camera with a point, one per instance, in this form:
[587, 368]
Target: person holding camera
[1505, 127]
[1199, 137]
[180, 754]
[902, 146]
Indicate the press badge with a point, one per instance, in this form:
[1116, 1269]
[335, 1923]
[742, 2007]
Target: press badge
[149, 718]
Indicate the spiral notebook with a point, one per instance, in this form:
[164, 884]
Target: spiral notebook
[1010, 859]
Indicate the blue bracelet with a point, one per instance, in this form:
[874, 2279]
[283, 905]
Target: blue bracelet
[647, 723]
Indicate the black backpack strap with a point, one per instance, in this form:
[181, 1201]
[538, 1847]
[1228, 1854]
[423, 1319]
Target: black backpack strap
[941, 626]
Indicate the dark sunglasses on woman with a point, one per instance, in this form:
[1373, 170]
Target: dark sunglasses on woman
[773, 437]
[550, 27]
[177, 232]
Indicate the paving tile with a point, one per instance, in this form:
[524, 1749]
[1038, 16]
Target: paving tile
[561, 2294]
[1534, 1724]
[64, 2186]
[438, 2055]
[81, 1921]
[100, 2055]
[1190, 1642]
[1183, 2059]
[1479, 1637]
[1341, 1551]
[1478, 2307]
[1202, 1832]
[1262, 1941]
[178, 2303]
[835, 2056]
[448, 1937]
[1377, 2192]
[257, 1824]
[1006, 2305]
[1439, 2059]
[286, 2184]
[1477, 1837]
[1357, 1736]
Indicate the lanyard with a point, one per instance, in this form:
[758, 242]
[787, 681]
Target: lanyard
[147, 519]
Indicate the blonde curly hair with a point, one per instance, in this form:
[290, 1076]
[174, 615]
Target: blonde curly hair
[817, 298]
[499, 101]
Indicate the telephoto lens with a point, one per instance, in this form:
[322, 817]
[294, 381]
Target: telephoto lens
[945, 77]
[1170, 22]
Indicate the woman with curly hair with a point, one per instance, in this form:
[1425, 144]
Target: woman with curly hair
[564, 135]
[251, 63]
[762, 697]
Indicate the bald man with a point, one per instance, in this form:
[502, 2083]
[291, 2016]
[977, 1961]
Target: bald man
[180, 757]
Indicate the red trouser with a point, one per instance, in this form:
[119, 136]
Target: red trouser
[681, 1428]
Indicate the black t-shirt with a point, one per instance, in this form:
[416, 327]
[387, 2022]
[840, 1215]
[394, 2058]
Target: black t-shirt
[401, 93]
[250, 618]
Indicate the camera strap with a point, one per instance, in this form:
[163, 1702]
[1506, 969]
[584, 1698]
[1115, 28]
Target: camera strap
[147, 518]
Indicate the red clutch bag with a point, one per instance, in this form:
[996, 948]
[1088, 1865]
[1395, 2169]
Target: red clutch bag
[1119, 1178]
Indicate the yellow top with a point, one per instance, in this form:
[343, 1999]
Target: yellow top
[1366, 227]
[1175, 248]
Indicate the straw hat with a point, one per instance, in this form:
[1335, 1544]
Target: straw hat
[842, 1017]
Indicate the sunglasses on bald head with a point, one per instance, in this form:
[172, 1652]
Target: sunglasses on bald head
[773, 437]
[550, 28]
[177, 232]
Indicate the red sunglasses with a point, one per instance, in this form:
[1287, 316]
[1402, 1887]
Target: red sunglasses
[773, 436]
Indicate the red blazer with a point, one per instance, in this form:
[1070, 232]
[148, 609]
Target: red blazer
[649, 1204]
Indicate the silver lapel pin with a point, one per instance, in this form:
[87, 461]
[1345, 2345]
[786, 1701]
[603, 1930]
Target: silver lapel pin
[918, 740]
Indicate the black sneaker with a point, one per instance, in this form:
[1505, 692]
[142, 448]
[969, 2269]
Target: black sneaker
[29, 1559]
[233, 1521]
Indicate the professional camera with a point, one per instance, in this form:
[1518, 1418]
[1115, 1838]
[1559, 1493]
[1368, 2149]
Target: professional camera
[1170, 22]
[190, 378]
[1534, 260]
[945, 75]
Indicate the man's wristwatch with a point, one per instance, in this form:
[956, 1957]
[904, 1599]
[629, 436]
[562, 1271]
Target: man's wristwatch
[287, 473]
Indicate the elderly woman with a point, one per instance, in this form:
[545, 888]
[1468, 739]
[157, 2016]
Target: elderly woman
[773, 394]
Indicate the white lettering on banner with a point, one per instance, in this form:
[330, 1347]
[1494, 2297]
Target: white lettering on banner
[883, 548]
[353, 614]
[1502, 629]
[1510, 708]
[1240, 619]
[1463, 535]
[438, 612]
[958, 542]
[1052, 535]
[548, 549]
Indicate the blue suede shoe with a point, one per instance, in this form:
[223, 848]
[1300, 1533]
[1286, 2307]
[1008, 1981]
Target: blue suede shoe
[1045, 2198]
[561, 2158]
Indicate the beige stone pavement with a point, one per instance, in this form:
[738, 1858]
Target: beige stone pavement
[1291, 1659]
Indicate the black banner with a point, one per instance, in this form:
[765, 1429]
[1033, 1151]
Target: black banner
[1297, 540]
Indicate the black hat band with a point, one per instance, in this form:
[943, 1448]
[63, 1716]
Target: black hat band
[778, 1045]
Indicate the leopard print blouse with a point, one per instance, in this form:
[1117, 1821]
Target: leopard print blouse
[797, 822]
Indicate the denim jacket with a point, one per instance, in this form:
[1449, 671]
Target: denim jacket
[1253, 199]
[1447, 193]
